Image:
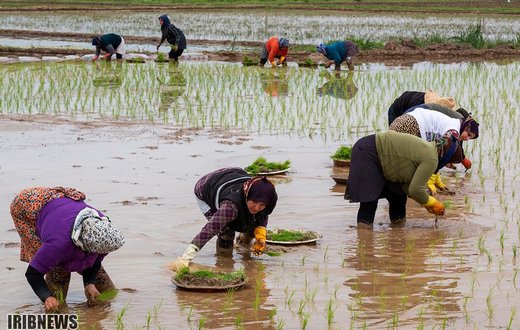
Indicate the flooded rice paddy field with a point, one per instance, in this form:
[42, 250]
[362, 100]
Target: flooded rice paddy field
[240, 25]
[136, 137]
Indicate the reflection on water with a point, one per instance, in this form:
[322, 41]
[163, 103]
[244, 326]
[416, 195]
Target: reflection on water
[338, 85]
[396, 272]
[274, 82]
[172, 87]
[108, 74]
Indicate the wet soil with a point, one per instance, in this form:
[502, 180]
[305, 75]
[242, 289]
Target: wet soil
[394, 53]
[142, 176]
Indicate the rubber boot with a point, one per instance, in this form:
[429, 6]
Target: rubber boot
[398, 223]
[361, 224]
[224, 251]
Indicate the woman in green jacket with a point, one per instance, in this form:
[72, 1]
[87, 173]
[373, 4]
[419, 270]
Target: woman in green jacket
[394, 166]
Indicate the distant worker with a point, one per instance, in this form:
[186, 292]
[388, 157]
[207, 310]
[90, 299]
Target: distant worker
[111, 44]
[174, 36]
[274, 48]
[338, 52]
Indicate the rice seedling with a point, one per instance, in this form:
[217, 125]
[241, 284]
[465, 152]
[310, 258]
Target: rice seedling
[121, 315]
[511, 318]
[330, 313]
[107, 295]
[273, 312]
[305, 320]
[489, 304]
[190, 314]
[257, 300]
[280, 323]
[202, 322]
[239, 319]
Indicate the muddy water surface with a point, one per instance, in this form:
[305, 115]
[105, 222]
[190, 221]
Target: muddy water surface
[460, 274]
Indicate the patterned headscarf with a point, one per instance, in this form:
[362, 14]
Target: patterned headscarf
[321, 49]
[93, 233]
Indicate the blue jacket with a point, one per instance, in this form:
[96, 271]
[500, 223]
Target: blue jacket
[336, 51]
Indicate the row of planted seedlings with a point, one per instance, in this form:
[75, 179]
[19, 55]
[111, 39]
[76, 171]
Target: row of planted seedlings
[484, 279]
[257, 26]
[230, 96]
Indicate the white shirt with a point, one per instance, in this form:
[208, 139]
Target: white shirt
[434, 124]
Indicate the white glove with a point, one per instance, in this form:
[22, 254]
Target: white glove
[184, 261]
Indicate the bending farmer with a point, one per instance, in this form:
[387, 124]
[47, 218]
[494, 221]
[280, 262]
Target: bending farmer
[338, 52]
[394, 166]
[274, 48]
[232, 201]
[111, 44]
[61, 234]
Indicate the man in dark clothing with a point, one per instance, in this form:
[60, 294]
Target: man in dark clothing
[111, 44]
[174, 36]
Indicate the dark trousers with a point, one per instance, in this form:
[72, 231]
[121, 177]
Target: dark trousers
[397, 205]
[175, 54]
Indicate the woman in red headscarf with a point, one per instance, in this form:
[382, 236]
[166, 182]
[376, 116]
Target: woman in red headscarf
[232, 201]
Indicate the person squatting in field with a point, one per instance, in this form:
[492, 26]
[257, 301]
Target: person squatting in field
[61, 234]
[232, 201]
[394, 166]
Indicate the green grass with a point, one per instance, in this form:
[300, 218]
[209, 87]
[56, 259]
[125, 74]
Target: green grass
[226, 277]
[261, 165]
[273, 253]
[343, 153]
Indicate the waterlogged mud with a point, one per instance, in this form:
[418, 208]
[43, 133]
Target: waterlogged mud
[143, 180]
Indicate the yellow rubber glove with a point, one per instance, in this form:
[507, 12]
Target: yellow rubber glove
[438, 182]
[273, 63]
[260, 236]
[282, 59]
[434, 206]
[431, 184]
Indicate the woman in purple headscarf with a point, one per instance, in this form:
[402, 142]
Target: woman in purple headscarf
[232, 201]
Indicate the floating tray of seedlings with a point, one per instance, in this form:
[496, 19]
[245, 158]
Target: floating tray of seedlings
[342, 156]
[339, 179]
[262, 167]
[207, 280]
[291, 236]
[341, 162]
